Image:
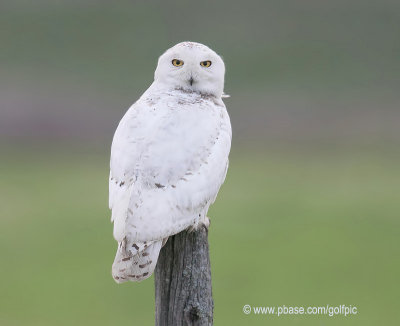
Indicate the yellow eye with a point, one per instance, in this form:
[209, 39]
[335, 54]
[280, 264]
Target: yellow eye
[205, 64]
[177, 62]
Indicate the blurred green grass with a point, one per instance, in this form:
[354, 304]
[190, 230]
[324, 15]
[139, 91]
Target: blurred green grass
[291, 228]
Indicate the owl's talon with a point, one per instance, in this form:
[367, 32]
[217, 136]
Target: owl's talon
[206, 222]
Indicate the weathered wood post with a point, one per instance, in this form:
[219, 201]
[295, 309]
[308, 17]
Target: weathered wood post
[183, 281]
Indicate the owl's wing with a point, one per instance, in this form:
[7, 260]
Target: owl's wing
[157, 213]
[144, 212]
[125, 154]
[156, 192]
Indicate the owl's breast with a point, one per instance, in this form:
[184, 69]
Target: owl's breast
[180, 142]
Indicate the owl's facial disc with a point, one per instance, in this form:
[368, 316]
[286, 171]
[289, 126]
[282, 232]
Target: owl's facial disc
[193, 67]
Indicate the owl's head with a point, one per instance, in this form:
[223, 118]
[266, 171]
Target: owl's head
[193, 67]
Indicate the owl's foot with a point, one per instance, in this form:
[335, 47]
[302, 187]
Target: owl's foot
[204, 222]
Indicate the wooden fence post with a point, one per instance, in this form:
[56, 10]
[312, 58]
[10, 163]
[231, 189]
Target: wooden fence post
[183, 293]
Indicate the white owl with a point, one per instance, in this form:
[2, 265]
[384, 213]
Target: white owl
[169, 157]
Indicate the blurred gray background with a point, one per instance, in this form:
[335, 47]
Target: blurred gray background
[298, 71]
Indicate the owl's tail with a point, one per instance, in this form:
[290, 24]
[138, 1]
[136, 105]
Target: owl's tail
[135, 262]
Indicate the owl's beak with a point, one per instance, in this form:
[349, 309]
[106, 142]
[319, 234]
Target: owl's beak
[191, 81]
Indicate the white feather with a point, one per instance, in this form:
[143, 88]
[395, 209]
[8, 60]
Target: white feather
[169, 158]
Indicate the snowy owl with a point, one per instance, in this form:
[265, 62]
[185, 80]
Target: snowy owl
[169, 157]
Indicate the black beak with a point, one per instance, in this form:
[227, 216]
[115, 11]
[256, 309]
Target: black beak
[191, 80]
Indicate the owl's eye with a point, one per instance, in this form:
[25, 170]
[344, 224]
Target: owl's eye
[205, 64]
[177, 62]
